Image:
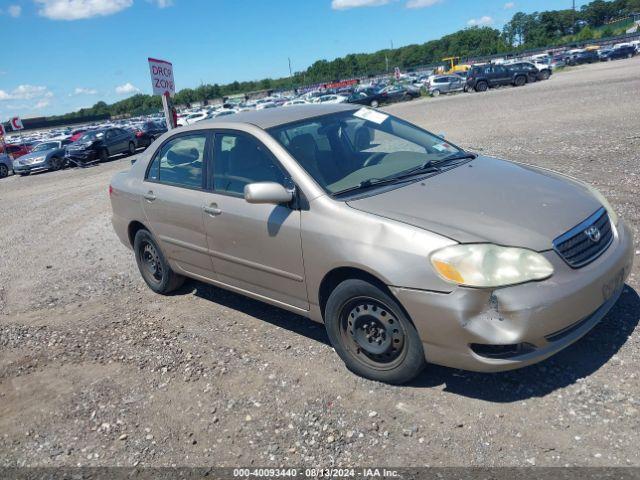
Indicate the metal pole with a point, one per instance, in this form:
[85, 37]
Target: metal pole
[167, 111]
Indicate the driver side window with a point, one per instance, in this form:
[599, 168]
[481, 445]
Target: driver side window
[239, 160]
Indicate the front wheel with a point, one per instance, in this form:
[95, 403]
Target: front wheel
[482, 86]
[520, 81]
[153, 267]
[435, 93]
[55, 164]
[103, 156]
[4, 171]
[375, 104]
[545, 75]
[132, 148]
[371, 333]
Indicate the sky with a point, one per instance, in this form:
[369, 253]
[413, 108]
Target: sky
[62, 55]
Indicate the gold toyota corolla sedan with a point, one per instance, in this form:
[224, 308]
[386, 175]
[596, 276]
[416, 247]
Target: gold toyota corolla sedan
[409, 249]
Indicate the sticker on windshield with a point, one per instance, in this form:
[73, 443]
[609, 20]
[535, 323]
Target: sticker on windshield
[444, 147]
[371, 115]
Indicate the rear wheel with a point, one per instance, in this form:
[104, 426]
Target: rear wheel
[103, 156]
[375, 103]
[371, 333]
[482, 87]
[4, 170]
[153, 267]
[132, 148]
[435, 93]
[519, 81]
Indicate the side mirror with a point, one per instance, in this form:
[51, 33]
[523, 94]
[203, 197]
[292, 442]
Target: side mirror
[267, 192]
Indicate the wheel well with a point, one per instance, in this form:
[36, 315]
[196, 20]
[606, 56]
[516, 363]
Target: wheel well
[332, 279]
[135, 227]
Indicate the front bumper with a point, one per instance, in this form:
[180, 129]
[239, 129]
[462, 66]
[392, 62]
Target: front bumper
[536, 319]
[30, 167]
[81, 155]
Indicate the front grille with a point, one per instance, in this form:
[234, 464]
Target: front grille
[578, 248]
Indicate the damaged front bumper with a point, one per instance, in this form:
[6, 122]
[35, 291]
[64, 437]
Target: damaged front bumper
[506, 328]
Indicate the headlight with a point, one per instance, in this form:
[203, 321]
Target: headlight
[35, 160]
[485, 265]
[613, 216]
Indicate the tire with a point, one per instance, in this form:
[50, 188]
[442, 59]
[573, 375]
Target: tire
[153, 266]
[375, 104]
[132, 148]
[482, 86]
[55, 164]
[25, 174]
[103, 155]
[435, 93]
[629, 55]
[357, 312]
[519, 81]
[4, 170]
[544, 75]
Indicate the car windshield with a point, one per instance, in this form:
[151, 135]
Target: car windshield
[345, 150]
[46, 146]
[90, 136]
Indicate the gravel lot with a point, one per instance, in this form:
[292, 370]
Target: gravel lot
[97, 370]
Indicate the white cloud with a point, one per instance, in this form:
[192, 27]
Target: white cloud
[126, 89]
[84, 91]
[41, 104]
[161, 3]
[509, 5]
[79, 9]
[477, 22]
[14, 10]
[344, 4]
[422, 3]
[26, 92]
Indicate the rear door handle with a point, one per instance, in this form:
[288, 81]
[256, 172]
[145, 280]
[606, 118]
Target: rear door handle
[212, 210]
[149, 196]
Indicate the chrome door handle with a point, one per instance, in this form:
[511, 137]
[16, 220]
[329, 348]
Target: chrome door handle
[212, 210]
[149, 196]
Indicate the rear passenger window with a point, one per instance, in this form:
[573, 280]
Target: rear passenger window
[180, 162]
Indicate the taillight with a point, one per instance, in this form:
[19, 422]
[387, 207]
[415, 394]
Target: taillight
[110, 190]
[139, 134]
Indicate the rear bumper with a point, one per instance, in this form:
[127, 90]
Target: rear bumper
[469, 328]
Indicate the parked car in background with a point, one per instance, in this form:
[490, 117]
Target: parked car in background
[482, 77]
[76, 134]
[589, 56]
[527, 69]
[329, 99]
[399, 93]
[6, 165]
[147, 132]
[99, 145]
[44, 156]
[407, 248]
[192, 118]
[445, 84]
[535, 71]
[15, 150]
[295, 101]
[625, 51]
[370, 97]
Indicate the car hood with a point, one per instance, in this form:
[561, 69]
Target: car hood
[41, 153]
[489, 200]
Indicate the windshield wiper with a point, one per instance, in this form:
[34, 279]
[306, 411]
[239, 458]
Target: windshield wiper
[454, 157]
[371, 182]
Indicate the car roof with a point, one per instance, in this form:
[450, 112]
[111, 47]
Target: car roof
[273, 117]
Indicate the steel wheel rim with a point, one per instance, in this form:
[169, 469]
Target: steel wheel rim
[151, 262]
[372, 333]
[4, 171]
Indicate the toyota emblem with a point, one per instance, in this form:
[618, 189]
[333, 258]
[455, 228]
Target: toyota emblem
[593, 233]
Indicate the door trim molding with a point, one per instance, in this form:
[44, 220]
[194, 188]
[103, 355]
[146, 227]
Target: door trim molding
[232, 259]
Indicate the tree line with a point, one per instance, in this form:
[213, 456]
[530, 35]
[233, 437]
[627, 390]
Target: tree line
[523, 31]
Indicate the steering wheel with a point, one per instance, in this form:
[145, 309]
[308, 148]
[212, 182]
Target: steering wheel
[375, 159]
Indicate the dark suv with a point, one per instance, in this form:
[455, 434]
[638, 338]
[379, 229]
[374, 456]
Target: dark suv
[624, 51]
[482, 77]
[533, 71]
[99, 145]
[583, 57]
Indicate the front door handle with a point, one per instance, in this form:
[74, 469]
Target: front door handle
[149, 196]
[212, 210]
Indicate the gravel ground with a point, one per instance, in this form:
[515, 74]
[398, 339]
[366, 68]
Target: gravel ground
[97, 370]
